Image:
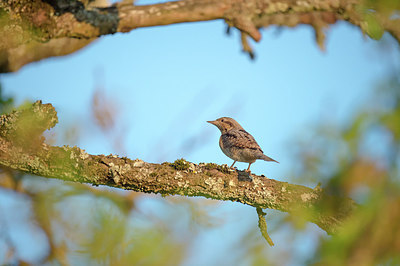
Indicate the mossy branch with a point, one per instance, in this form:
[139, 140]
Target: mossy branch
[179, 178]
[29, 28]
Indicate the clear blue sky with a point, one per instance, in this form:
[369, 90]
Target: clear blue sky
[169, 80]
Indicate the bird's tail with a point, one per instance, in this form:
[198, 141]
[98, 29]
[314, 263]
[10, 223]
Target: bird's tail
[266, 158]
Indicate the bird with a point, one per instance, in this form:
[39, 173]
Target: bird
[237, 143]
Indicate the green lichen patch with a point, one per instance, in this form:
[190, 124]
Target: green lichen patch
[180, 164]
[153, 174]
[25, 125]
[222, 168]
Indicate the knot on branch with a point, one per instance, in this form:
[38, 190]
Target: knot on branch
[25, 126]
[105, 20]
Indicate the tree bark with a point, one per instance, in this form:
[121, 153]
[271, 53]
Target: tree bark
[33, 23]
[22, 148]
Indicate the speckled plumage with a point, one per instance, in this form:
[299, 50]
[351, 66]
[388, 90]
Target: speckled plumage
[237, 143]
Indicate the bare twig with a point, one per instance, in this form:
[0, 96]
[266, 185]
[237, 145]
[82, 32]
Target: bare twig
[246, 46]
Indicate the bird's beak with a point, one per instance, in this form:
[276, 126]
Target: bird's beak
[213, 122]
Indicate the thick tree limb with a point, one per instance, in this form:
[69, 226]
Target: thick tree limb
[34, 51]
[23, 21]
[32, 156]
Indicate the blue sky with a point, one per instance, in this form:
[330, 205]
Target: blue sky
[169, 80]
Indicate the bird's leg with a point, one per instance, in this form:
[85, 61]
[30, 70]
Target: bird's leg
[233, 163]
[248, 168]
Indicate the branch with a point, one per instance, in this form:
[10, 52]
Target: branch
[24, 21]
[34, 51]
[212, 181]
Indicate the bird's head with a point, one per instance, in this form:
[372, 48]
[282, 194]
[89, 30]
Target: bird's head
[225, 124]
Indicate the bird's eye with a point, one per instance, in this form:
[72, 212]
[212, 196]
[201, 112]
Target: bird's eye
[222, 120]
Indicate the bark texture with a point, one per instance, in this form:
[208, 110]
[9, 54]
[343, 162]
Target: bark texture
[31, 24]
[27, 152]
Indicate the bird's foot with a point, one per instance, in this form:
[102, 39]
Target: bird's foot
[232, 167]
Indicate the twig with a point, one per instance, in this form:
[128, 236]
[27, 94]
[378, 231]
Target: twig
[262, 224]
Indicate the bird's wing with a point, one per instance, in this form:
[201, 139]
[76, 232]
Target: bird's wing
[240, 138]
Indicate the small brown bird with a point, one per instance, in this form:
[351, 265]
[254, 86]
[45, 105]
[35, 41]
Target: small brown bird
[237, 143]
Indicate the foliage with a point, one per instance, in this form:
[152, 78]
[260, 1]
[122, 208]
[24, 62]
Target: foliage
[361, 160]
[6, 103]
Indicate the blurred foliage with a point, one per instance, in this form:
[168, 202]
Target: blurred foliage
[360, 160]
[6, 103]
[104, 110]
[376, 14]
[383, 6]
[106, 114]
[93, 226]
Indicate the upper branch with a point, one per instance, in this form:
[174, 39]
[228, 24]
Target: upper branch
[179, 178]
[23, 21]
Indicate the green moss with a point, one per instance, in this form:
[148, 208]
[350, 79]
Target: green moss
[222, 168]
[153, 174]
[180, 164]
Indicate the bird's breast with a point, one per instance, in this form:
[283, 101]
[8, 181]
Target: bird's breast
[226, 147]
